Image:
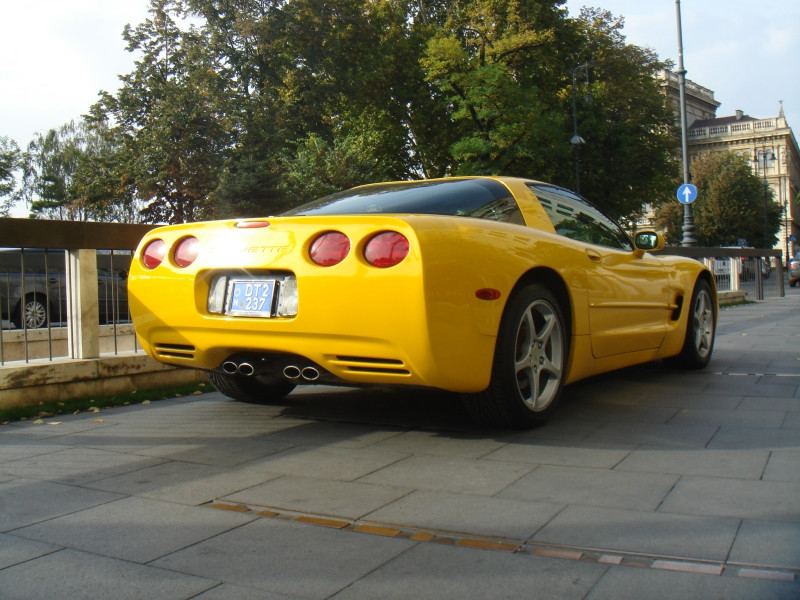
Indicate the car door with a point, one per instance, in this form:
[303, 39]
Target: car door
[628, 294]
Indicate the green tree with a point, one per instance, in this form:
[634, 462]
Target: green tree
[631, 135]
[167, 118]
[10, 161]
[493, 62]
[732, 203]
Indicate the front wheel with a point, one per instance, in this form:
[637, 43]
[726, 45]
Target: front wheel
[700, 330]
[253, 390]
[529, 363]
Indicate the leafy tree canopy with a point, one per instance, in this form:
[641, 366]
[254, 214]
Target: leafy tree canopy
[244, 107]
[10, 161]
[732, 204]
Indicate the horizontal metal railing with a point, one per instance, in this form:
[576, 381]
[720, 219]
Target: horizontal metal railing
[63, 289]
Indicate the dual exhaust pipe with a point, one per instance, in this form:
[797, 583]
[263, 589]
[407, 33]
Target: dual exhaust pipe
[290, 372]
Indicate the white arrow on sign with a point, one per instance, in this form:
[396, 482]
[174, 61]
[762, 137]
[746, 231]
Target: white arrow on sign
[687, 193]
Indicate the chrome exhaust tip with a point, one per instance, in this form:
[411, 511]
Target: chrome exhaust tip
[291, 372]
[310, 374]
[230, 367]
[246, 369]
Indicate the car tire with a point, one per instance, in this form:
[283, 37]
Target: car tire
[35, 312]
[253, 390]
[530, 363]
[700, 330]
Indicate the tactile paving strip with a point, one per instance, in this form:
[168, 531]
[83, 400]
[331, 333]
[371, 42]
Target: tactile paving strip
[612, 558]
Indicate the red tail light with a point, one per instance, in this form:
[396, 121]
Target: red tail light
[329, 249]
[186, 251]
[153, 254]
[386, 249]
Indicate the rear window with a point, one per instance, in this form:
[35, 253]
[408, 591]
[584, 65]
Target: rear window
[480, 198]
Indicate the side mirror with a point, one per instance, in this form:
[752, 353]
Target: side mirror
[648, 241]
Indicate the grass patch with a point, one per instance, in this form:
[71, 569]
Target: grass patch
[45, 410]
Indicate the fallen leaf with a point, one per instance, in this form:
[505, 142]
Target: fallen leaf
[54, 422]
[97, 420]
[145, 401]
[94, 409]
[38, 422]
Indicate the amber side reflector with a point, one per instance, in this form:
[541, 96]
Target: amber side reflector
[487, 294]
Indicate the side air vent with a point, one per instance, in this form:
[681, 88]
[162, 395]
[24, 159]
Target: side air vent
[175, 350]
[366, 364]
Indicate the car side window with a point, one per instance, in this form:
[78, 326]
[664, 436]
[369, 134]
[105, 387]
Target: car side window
[575, 218]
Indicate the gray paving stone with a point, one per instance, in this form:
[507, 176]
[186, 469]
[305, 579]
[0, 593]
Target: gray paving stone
[287, 558]
[467, 514]
[223, 452]
[626, 583]
[771, 403]
[634, 531]
[227, 591]
[458, 475]
[442, 444]
[601, 456]
[345, 499]
[783, 466]
[767, 543]
[742, 464]
[730, 418]
[28, 501]
[184, 483]
[77, 465]
[74, 575]
[593, 487]
[767, 500]
[134, 529]
[14, 550]
[655, 435]
[15, 447]
[756, 439]
[433, 571]
[328, 463]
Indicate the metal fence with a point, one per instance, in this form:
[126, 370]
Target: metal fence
[63, 289]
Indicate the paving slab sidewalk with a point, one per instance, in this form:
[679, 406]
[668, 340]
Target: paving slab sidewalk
[647, 483]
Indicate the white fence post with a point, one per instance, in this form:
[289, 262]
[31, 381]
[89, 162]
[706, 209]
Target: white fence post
[82, 304]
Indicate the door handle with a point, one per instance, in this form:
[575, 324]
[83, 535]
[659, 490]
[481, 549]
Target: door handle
[594, 255]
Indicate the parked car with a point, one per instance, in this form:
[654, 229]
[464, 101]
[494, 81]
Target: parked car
[501, 289]
[746, 267]
[794, 270]
[39, 298]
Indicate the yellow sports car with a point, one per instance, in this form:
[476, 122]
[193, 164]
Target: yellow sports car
[502, 289]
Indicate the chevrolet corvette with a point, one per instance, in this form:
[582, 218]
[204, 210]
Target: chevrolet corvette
[501, 289]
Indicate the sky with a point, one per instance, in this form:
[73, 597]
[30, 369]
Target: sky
[57, 55]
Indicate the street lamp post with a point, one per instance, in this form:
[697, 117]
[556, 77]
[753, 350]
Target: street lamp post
[577, 140]
[760, 158]
[688, 216]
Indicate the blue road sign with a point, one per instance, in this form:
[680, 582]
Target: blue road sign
[687, 193]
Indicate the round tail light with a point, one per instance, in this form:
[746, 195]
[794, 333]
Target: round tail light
[329, 249]
[153, 254]
[386, 249]
[186, 251]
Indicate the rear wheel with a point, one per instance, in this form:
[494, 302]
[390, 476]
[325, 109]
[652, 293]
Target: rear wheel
[700, 330]
[254, 390]
[32, 312]
[529, 363]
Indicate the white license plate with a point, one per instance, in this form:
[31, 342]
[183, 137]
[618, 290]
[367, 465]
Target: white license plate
[250, 297]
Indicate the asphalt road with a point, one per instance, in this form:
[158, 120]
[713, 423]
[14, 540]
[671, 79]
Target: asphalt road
[647, 483]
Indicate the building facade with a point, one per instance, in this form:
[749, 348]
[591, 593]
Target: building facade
[768, 144]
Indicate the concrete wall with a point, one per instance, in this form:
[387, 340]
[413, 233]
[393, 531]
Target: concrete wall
[57, 380]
